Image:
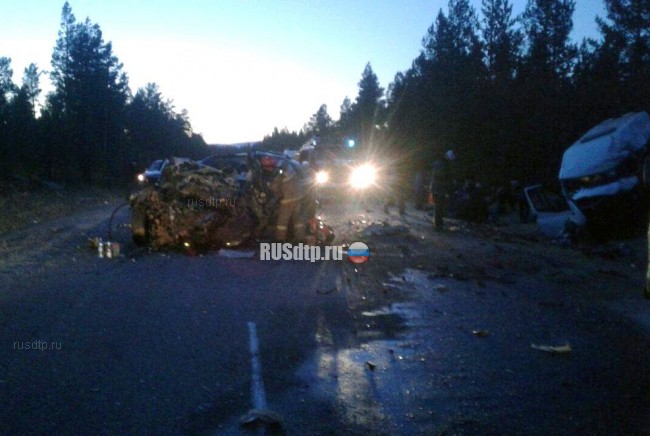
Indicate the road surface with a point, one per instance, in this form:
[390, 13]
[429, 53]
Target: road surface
[433, 335]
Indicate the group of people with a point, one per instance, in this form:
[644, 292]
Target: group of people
[436, 192]
[287, 187]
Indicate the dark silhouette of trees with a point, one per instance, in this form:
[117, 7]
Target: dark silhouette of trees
[360, 119]
[320, 123]
[502, 40]
[280, 140]
[7, 90]
[154, 129]
[545, 87]
[507, 93]
[90, 95]
[91, 130]
[626, 47]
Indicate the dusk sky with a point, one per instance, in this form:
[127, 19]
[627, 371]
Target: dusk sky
[243, 67]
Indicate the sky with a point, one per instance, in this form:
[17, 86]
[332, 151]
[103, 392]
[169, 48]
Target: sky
[243, 67]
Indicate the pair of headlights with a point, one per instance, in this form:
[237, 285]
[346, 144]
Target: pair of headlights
[361, 177]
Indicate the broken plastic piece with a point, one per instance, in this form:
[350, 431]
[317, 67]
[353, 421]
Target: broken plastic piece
[236, 254]
[562, 349]
[261, 417]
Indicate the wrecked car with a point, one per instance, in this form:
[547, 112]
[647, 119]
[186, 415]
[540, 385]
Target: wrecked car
[222, 201]
[153, 171]
[601, 173]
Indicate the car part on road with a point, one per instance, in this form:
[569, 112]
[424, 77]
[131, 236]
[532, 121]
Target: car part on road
[562, 349]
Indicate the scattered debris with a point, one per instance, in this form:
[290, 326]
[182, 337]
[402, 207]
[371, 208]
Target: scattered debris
[236, 254]
[562, 349]
[384, 229]
[327, 291]
[441, 288]
[480, 333]
[371, 366]
[262, 418]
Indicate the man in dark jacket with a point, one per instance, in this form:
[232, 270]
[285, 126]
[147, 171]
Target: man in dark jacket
[441, 187]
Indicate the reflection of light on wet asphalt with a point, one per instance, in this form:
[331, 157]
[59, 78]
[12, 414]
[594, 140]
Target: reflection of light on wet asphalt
[257, 384]
[376, 399]
[344, 372]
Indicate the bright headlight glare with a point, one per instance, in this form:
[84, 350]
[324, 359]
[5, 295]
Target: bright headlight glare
[363, 176]
[322, 177]
[140, 177]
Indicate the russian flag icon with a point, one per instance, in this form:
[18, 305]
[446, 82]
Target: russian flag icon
[358, 252]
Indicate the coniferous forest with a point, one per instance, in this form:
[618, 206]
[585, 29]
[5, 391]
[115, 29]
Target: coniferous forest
[508, 93]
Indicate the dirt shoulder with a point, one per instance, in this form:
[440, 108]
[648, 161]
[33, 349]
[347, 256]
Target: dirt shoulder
[22, 208]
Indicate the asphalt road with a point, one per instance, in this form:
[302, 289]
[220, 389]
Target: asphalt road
[432, 336]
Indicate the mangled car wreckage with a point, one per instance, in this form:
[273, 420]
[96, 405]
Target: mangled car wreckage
[602, 173]
[223, 201]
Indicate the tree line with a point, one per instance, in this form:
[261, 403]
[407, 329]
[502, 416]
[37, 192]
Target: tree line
[508, 93]
[91, 128]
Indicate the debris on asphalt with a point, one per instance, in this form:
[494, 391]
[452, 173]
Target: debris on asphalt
[262, 418]
[236, 254]
[562, 349]
[384, 229]
[480, 333]
[441, 288]
[371, 366]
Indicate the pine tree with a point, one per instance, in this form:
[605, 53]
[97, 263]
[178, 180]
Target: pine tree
[7, 91]
[502, 40]
[367, 110]
[320, 123]
[90, 94]
[626, 33]
[548, 25]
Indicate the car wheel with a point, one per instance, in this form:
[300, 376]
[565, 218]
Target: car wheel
[139, 230]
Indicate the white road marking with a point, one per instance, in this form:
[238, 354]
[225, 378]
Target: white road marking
[257, 387]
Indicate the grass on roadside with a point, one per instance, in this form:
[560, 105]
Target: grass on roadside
[24, 208]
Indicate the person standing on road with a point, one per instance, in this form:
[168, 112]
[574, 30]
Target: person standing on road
[289, 189]
[441, 187]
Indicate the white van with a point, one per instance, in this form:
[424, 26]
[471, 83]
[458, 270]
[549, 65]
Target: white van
[601, 172]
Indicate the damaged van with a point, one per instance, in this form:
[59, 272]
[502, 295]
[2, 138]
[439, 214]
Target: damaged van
[601, 173]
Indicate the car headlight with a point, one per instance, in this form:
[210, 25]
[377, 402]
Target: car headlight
[363, 176]
[322, 177]
[141, 178]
